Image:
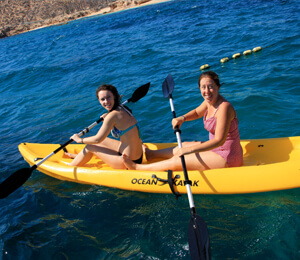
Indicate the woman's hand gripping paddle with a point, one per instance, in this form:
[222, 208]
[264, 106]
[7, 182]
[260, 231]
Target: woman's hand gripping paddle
[199, 243]
[18, 178]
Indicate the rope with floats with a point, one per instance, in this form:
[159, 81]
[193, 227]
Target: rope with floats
[235, 56]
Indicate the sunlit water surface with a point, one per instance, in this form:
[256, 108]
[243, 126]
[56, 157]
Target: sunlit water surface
[48, 80]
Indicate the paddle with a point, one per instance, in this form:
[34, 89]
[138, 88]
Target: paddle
[18, 178]
[197, 232]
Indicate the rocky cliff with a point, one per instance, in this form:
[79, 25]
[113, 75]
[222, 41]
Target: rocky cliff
[17, 16]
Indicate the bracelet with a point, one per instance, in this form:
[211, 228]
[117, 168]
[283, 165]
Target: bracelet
[82, 140]
[183, 118]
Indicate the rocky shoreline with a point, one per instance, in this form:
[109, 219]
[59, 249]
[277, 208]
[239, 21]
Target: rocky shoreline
[18, 16]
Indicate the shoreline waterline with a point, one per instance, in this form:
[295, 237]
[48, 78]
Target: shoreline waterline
[104, 11]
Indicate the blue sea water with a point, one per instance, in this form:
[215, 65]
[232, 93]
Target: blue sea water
[48, 79]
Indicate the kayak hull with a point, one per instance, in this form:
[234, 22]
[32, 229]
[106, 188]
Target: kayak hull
[269, 165]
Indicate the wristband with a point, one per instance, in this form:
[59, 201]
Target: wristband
[183, 118]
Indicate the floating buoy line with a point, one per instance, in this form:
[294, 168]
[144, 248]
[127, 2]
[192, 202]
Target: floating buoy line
[234, 56]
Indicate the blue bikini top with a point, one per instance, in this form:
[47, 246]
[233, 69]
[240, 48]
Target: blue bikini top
[116, 133]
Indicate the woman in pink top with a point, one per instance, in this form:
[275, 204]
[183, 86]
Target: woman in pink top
[223, 148]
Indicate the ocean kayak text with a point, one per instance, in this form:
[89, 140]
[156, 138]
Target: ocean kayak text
[155, 181]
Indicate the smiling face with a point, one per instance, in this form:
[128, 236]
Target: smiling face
[109, 97]
[106, 99]
[209, 90]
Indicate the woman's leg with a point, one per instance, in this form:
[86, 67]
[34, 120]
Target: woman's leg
[107, 151]
[82, 158]
[196, 161]
[108, 156]
[166, 153]
[155, 154]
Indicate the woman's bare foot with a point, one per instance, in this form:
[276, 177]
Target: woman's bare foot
[71, 155]
[147, 152]
[128, 163]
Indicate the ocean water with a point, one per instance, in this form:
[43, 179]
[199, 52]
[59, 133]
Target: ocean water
[48, 79]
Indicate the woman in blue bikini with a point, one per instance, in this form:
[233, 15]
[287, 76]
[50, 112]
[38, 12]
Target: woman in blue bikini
[121, 124]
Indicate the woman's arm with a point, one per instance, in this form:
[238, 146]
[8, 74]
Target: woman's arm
[192, 115]
[224, 117]
[103, 132]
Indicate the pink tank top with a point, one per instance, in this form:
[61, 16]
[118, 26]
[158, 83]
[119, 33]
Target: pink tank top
[231, 150]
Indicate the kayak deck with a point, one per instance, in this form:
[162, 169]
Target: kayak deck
[269, 164]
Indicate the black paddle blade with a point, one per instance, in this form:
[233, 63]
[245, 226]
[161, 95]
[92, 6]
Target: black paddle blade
[14, 181]
[139, 93]
[168, 86]
[198, 239]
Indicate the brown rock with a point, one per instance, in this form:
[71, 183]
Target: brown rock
[17, 16]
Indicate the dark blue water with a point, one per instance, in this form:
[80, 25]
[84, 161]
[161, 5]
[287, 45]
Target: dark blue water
[48, 79]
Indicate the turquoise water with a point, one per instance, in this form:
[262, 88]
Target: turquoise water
[48, 80]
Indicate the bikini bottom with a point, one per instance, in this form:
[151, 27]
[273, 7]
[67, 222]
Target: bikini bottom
[138, 161]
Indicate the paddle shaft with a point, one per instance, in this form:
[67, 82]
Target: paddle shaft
[18, 178]
[199, 244]
[186, 177]
[81, 133]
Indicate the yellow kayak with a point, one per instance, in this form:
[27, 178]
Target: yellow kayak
[269, 164]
